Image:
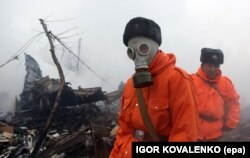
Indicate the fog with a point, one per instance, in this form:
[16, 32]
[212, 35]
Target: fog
[187, 26]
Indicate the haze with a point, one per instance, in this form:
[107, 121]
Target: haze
[187, 26]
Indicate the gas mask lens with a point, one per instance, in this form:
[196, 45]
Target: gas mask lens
[143, 49]
[131, 53]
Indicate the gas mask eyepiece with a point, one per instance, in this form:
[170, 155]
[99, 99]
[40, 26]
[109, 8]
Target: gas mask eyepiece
[143, 50]
[131, 53]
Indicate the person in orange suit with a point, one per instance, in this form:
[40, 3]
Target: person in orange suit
[219, 107]
[170, 97]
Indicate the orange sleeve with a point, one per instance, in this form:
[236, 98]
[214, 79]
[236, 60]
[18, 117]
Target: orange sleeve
[232, 108]
[184, 110]
[124, 137]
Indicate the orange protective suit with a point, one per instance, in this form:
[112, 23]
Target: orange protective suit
[171, 102]
[216, 110]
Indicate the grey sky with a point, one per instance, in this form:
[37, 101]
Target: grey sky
[187, 26]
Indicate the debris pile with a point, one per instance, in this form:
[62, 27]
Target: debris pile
[81, 125]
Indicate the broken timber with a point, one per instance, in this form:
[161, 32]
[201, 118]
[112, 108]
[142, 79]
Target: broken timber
[58, 97]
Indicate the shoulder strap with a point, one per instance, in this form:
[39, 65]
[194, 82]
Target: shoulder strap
[145, 116]
[219, 92]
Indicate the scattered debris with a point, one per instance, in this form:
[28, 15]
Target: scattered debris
[81, 125]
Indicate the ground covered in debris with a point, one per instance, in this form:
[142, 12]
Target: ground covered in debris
[81, 130]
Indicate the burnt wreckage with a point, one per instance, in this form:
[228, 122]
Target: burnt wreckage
[81, 124]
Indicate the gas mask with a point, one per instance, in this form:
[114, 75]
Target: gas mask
[142, 51]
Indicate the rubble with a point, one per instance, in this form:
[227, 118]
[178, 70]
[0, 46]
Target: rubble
[81, 125]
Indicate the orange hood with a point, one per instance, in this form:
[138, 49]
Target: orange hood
[161, 62]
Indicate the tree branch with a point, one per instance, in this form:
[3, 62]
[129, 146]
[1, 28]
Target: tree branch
[58, 97]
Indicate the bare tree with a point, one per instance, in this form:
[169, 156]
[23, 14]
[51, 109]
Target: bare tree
[59, 94]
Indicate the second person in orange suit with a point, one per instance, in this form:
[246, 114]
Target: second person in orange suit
[219, 107]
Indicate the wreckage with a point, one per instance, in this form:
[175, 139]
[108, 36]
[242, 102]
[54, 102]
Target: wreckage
[81, 125]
